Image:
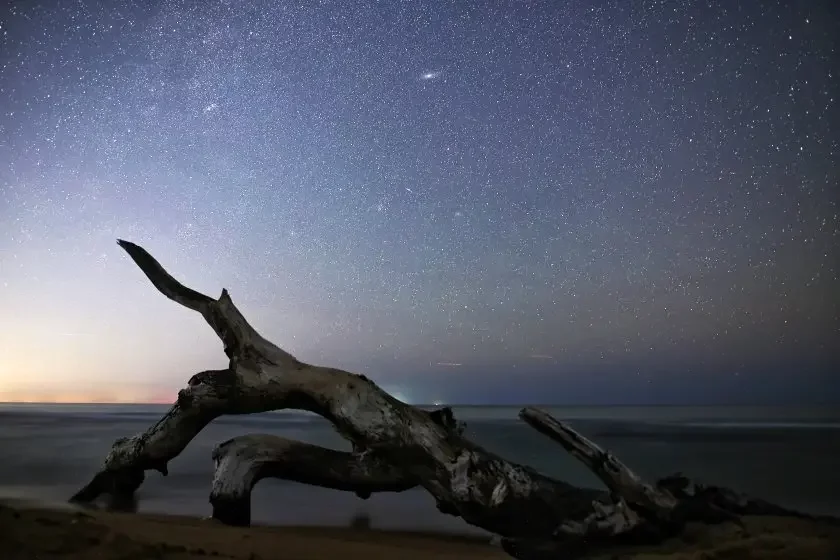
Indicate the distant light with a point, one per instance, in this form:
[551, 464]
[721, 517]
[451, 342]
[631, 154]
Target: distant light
[398, 394]
[430, 75]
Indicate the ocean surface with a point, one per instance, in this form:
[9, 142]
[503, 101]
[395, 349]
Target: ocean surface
[787, 455]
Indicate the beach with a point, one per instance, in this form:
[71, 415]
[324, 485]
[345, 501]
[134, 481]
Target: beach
[30, 530]
[788, 456]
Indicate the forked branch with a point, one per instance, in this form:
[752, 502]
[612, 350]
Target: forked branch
[239, 338]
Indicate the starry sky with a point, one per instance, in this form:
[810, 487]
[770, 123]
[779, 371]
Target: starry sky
[578, 202]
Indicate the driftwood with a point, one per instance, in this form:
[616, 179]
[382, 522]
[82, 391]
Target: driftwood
[395, 447]
[243, 461]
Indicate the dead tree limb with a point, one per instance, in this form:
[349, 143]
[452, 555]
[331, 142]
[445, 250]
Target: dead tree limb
[243, 461]
[396, 446]
[503, 497]
[616, 476]
[206, 397]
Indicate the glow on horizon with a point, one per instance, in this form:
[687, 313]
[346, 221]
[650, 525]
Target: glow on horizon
[47, 396]
[71, 399]
[104, 395]
[401, 397]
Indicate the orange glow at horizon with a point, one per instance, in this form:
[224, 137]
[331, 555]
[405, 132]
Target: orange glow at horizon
[17, 398]
[57, 396]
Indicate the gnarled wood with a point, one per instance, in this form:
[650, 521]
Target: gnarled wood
[484, 489]
[395, 447]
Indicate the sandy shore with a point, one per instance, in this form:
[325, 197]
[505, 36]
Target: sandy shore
[30, 530]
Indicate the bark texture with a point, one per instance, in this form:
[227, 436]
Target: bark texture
[395, 447]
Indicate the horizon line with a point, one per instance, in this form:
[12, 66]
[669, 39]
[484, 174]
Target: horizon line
[459, 405]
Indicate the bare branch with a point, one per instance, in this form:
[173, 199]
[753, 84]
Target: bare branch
[617, 477]
[240, 338]
[163, 281]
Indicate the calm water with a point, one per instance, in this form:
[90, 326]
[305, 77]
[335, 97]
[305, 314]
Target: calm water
[787, 455]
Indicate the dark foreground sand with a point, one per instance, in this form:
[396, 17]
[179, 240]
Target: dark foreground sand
[29, 531]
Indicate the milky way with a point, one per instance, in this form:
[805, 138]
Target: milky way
[572, 202]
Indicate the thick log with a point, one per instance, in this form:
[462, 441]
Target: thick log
[245, 460]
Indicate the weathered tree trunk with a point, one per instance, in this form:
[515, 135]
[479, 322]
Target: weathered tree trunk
[396, 447]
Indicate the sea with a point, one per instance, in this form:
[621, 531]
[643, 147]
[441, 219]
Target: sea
[788, 455]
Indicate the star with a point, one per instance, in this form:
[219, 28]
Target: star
[552, 195]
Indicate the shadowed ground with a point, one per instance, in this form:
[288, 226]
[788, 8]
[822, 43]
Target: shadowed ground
[29, 530]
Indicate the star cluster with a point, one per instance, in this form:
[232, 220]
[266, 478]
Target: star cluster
[561, 201]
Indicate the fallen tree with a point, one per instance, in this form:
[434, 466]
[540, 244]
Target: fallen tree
[395, 447]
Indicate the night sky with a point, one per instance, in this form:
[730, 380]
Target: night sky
[552, 202]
